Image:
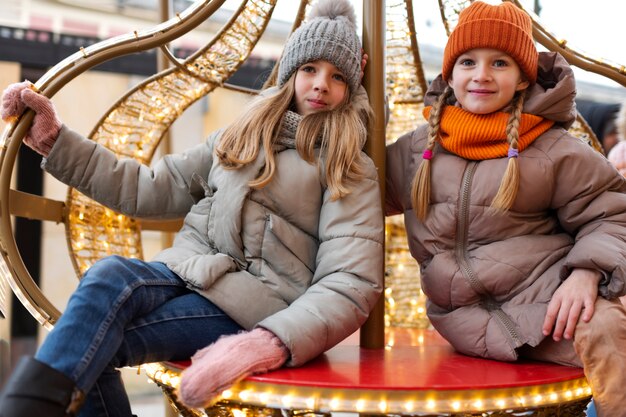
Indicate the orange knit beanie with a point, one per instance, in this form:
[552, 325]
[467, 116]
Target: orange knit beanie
[504, 27]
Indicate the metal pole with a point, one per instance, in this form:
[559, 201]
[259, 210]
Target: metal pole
[373, 331]
[167, 239]
[165, 145]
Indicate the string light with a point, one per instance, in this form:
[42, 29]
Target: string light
[405, 85]
[375, 401]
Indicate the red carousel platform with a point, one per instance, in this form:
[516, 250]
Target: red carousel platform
[418, 373]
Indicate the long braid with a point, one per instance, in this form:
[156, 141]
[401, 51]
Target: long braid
[420, 189]
[509, 185]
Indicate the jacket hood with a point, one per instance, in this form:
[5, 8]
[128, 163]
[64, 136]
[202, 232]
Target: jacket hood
[551, 97]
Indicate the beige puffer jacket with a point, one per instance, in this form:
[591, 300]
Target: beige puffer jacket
[284, 257]
[489, 276]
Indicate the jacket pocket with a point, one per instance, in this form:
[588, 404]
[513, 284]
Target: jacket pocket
[199, 188]
[201, 271]
[289, 251]
[197, 222]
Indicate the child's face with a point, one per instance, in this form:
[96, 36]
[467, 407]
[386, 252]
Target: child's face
[485, 80]
[320, 86]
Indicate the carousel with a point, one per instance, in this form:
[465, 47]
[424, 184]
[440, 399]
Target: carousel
[397, 364]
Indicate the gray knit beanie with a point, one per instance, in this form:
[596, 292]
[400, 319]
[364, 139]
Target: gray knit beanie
[328, 34]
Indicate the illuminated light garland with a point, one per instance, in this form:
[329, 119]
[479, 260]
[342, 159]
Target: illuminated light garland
[405, 85]
[324, 400]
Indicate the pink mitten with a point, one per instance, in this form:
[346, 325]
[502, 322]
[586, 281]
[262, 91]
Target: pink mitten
[12, 104]
[46, 125]
[227, 361]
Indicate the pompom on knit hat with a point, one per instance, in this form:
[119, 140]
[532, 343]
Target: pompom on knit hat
[329, 34]
[504, 27]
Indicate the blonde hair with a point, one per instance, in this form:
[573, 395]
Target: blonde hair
[509, 185]
[341, 133]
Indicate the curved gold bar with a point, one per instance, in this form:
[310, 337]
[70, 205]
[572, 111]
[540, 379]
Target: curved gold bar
[12, 268]
[271, 80]
[126, 44]
[574, 56]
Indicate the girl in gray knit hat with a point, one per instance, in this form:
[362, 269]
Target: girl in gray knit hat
[279, 258]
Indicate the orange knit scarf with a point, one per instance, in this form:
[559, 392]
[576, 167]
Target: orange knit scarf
[483, 136]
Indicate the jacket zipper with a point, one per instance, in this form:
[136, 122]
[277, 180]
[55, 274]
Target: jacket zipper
[463, 260]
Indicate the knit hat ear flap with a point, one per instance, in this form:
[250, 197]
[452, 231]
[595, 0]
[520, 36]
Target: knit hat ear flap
[504, 27]
[329, 34]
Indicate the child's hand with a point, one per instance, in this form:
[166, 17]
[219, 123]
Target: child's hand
[12, 104]
[46, 125]
[364, 58]
[576, 295]
[227, 361]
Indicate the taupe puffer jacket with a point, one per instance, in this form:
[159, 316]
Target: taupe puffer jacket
[284, 257]
[489, 276]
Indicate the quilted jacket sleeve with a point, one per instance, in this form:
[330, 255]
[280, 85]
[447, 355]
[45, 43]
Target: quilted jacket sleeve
[124, 184]
[348, 278]
[590, 200]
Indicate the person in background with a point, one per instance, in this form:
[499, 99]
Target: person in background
[601, 119]
[617, 154]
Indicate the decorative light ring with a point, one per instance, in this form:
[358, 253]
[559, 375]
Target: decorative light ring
[405, 88]
[300, 15]
[318, 400]
[450, 10]
[405, 80]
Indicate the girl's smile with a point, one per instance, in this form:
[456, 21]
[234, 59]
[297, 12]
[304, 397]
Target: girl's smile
[485, 80]
[317, 103]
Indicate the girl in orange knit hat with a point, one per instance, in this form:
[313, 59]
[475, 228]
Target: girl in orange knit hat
[519, 227]
[278, 258]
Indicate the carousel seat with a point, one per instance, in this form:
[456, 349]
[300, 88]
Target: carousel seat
[417, 373]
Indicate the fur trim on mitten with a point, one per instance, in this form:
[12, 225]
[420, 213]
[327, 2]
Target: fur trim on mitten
[227, 361]
[46, 124]
[12, 104]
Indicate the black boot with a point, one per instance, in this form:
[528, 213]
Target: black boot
[35, 389]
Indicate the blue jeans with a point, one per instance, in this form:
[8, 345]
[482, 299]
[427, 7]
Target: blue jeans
[127, 312]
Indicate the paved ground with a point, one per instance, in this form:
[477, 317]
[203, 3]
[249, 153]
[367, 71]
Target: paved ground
[152, 405]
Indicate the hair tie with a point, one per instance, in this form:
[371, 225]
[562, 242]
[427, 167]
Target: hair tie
[428, 154]
[513, 153]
